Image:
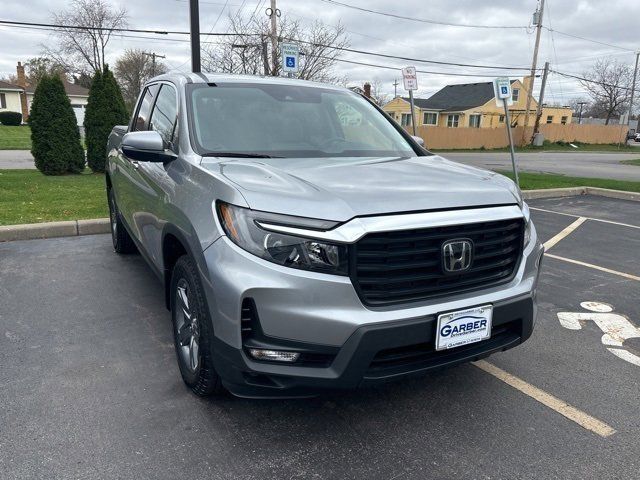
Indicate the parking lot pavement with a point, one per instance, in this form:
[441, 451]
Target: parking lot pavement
[89, 386]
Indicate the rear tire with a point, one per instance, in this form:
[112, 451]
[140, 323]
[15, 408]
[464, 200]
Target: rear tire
[122, 241]
[192, 331]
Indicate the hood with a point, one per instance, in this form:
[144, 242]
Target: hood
[342, 188]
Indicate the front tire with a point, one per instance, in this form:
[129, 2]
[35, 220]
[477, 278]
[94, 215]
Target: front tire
[192, 333]
[122, 241]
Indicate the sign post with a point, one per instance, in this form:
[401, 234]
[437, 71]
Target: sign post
[502, 90]
[290, 56]
[410, 79]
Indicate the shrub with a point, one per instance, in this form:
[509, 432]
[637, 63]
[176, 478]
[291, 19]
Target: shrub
[105, 109]
[55, 137]
[10, 118]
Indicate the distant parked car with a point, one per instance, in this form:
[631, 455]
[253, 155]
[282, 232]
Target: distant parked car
[631, 134]
[636, 137]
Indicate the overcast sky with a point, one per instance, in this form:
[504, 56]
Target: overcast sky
[612, 22]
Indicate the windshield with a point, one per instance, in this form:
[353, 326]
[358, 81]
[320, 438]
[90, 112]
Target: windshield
[290, 121]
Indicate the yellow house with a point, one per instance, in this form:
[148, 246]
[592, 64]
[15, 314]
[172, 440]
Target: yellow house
[473, 105]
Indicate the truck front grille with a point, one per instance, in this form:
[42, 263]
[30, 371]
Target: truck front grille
[407, 266]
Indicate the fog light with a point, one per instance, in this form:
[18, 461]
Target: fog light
[274, 355]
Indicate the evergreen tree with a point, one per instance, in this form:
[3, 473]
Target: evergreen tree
[55, 137]
[105, 109]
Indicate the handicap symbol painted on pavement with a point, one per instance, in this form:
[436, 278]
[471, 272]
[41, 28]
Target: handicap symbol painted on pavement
[616, 328]
[291, 62]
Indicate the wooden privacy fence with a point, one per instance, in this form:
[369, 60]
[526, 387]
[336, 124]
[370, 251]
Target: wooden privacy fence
[441, 138]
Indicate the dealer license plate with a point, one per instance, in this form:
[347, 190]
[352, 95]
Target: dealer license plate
[463, 327]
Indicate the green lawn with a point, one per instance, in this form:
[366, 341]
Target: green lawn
[635, 161]
[28, 196]
[534, 181]
[15, 138]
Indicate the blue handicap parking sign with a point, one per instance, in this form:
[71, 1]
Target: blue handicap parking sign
[504, 90]
[291, 62]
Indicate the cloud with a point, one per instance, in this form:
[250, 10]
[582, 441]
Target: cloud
[512, 47]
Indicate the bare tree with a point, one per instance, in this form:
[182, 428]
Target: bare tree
[607, 83]
[132, 71]
[37, 67]
[82, 50]
[377, 94]
[248, 51]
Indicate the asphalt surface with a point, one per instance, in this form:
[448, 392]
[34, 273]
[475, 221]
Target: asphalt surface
[90, 389]
[576, 164]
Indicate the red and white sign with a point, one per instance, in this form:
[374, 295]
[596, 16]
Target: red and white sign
[410, 78]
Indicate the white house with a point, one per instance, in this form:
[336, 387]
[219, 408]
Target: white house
[18, 97]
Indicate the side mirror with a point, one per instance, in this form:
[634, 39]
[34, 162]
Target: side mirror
[146, 146]
[418, 140]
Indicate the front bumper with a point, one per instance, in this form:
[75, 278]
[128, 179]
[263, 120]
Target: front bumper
[322, 312]
[373, 354]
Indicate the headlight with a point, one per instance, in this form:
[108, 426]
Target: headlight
[241, 226]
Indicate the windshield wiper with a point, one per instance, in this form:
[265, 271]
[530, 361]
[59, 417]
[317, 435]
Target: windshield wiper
[238, 155]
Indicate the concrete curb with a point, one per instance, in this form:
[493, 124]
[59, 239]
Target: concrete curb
[72, 228]
[96, 226]
[574, 191]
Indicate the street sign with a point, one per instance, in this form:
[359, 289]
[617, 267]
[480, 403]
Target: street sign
[290, 56]
[410, 78]
[502, 90]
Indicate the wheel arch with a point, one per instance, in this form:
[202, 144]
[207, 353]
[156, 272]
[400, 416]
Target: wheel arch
[175, 243]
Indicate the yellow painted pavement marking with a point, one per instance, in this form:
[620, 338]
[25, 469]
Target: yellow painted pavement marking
[567, 231]
[563, 408]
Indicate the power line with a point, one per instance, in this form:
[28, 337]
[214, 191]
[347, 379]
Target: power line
[108, 29]
[178, 32]
[422, 20]
[409, 59]
[388, 67]
[588, 39]
[588, 80]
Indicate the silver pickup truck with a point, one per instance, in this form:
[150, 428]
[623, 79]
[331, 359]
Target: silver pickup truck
[305, 241]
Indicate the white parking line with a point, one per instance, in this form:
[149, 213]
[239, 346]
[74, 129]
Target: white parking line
[567, 231]
[563, 408]
[588, 218]
[596, 267]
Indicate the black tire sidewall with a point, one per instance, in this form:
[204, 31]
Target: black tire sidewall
[204, 379]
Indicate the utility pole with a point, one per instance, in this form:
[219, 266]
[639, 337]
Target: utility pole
[273, 13]
[536, 126]
[633, 91]
[153, 56]
[534, 65]
[194, 20]
[582, 104]
[395, 88]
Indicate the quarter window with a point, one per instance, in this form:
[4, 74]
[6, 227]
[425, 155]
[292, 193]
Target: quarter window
[474, 121]
[453, 120]
[430, 118]
[165, 113]
[144, 108]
